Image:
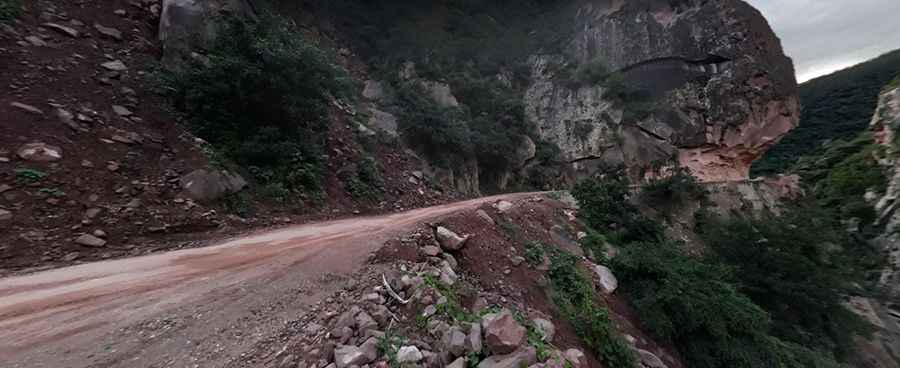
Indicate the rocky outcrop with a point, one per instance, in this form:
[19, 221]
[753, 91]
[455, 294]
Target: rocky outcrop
[721, 89]
[884, 313]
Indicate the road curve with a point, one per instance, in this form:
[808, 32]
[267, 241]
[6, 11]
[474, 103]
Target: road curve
[195, 307]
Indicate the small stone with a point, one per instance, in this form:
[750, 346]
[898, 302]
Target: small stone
[40, 152]
[449, 240]
[134, 203]
[454, 341]
[99, 233]
[27, 108]
[409, 354]
[606, 280]
[348, 355]
[482, 214]
[503, 206]
[5, 215]
[121, 110]
[71, 257]
[5, 187]
[473, 340]
[458, 363]
[115, 65]
[431, 251]
[112, 166]
[523, 357]
[36, 41]
[577, 358]
[517, 260]
[90, 241]
[120, 12]
[648, 360]
[68, 31]
[109, 32]
[374, 298]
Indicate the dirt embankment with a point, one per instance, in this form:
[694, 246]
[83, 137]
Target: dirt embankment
[78, 76]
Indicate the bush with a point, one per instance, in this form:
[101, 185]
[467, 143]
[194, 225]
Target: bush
[262, 100]
[594, 246]
[697, 307]
[440, 133]
[9, 10]
[367, 182]
[605, 207]
[675, 189]
[573, 292]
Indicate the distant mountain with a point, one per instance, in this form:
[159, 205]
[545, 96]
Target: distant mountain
[836, 106]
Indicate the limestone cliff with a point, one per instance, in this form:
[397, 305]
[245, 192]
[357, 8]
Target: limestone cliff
[884, 349]
[723, 90]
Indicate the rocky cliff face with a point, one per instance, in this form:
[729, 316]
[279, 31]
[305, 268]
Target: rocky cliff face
[723, 91]
[884, 349]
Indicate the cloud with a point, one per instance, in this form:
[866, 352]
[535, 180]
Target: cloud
[827, 35]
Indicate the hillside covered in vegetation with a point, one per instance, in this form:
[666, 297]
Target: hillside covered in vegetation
[836, 106]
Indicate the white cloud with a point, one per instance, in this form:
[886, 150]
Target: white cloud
[826, 35]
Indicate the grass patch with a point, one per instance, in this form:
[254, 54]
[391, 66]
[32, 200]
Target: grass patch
[573, 292]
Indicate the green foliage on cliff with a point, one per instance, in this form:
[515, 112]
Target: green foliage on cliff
[767, 293]
[9, 10]
[836, 106]
[262, 100]
[797, 266]
[841, 173]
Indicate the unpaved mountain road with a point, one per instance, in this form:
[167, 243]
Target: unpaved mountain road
[191, 308]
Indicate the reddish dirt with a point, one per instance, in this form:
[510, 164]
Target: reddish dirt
[140, 205]
[199, 305]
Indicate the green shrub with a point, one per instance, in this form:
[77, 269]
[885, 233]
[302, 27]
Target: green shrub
[594, 246]
[534, 253]
[262, 100]
[9, 10]
[440, 133]
[673, 190]
[797, 267]
[28, 175]
[697, 306]
[605, 207]
[366, 182]
[573, 293]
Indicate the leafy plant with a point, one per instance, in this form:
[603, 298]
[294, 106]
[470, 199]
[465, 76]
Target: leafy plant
[52, 192]
[262, 100]
[534, 253]
[573, 293]
[606, 207]
[594, 245]
[29, 176]
[9, 10]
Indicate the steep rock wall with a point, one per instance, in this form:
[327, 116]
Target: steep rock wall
[724, 90]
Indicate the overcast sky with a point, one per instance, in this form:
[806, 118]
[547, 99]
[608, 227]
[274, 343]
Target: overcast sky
[823, 36]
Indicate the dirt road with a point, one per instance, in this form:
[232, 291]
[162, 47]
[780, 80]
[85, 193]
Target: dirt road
[191, 308]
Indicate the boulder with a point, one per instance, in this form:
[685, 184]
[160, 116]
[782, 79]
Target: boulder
[109, 32]
[409, 354]
[576, 358]
[370, 349]
[523, 357]
[482, 214]
[458, 363]
[347, 355]
[207, 186]
[606, 281]
[89, 240]
[449, 240]
[649, 360]
[40, 152]
[454, 341]
[502, 334]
